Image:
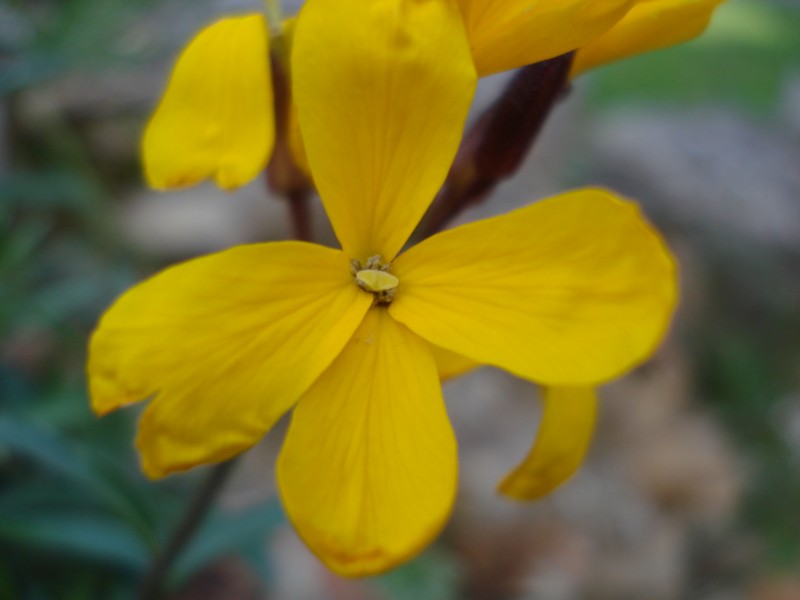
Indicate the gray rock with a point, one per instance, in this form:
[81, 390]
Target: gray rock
[706, 172]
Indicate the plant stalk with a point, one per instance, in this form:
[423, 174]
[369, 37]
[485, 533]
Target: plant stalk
[497, 143]
[153, 584]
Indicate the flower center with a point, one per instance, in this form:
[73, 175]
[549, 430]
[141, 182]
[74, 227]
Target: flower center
[374, 277]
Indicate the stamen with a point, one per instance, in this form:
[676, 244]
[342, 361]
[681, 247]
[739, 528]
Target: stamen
[374, 277]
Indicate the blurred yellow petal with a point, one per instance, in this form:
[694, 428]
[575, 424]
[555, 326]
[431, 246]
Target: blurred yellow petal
[216, 117]
[368, 470]
[565, 432]
[296, 146]
[449, 364]
[382, 90]
[295, 140]
[506, 34]
[572, 290]
[650, 25]
[226, 344]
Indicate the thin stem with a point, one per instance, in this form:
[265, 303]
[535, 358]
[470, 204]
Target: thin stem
[299, 210]
[153, 584]
[498, 142]
[284, 176]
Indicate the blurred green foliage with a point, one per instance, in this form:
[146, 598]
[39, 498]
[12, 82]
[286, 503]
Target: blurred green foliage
[746, 359]
[77, 519]
[743, 61]
[41, 39]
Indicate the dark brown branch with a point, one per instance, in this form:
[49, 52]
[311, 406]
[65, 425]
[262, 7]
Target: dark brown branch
[496, 145]
[284, 176]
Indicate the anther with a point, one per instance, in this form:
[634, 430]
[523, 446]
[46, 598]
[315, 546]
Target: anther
[374, 277]
[374, 280]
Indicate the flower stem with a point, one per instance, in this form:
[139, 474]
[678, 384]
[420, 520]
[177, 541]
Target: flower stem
[284, 177]
[299, 210]
[153, 585]
[497, 143]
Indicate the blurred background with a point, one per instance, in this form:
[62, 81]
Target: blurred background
[692, 486]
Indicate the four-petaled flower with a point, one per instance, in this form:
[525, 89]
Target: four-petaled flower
[568, 292]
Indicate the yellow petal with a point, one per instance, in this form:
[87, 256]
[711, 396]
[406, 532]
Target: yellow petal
[382, 89]
[568, 291]
[216, 117]
[368, 469]
[565, 432]
[506, 34]
[226, 343]
[449, 364]
[650, 25]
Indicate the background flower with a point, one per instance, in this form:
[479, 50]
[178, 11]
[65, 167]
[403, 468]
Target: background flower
[216, 118]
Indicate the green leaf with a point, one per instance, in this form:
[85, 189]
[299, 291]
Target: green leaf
[47, 190]
[6, 583]
[20, 243]
[80, 536]
[228, 534]
[50, 451]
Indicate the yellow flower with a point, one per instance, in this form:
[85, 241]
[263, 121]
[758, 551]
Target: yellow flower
[570, 291]
[513, 33]
[650, 25]
[506, 34]
[216, 119]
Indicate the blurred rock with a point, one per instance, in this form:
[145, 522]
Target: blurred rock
[184, 223]
[712, 173]
[658, 472]
[789, 109]
[678, 456]
[92, 95]
[301, 576]
[203, 219]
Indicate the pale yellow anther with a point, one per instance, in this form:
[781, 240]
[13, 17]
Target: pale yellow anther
[374, 280]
